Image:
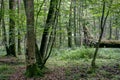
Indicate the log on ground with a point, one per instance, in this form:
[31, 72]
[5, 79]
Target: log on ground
[110, 44]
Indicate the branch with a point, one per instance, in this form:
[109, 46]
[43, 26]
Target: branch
[39, 11]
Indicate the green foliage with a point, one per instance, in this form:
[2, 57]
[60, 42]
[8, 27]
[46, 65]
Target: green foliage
[3, 68]
[5, 71]
[85, 53]
[67, 72]
[2, 51]
[109, 53]
[117, 77]
[75, 54]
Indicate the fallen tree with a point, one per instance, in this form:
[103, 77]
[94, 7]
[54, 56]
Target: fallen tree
[89, 40]
[110, 43]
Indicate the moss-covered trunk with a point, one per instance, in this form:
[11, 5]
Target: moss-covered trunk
[33, 71]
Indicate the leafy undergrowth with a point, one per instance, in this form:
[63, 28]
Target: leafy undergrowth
[67, 67]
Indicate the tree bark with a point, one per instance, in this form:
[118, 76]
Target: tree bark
[3, 27]
[110, 25]
[109, 44]
[117, 33]
[49, 24]
[12, 7]
[19, 27]
[31, 66]
[69, 28]
[75, 27]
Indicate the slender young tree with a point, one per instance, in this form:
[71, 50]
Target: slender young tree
[19, 27]
[102, 26]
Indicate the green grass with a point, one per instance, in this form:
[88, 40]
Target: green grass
[83, 56]
[5, 71]
[3, 68]
[68, 57]
[109, 53]
[74, 54]
[7, 68]
[83, 53]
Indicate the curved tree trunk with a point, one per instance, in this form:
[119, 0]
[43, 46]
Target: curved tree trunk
[102, 26]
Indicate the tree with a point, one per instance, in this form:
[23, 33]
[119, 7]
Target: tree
[48, 34]
[3, 27]
[102, 26]
[1, 3]
[69, 31]
[110, 25]
[31, 66]
[19, 27]
[75, 25]
[12, 8]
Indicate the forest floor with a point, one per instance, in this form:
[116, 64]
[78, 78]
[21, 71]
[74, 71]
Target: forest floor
[63, 69]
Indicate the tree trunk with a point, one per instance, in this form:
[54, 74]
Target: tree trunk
[31, 67]
[60, 34]
[117, 33]
[1, 9]
[19, 27]
[69, 28]
[75, 27]
[12, 8]
[49, 24]
[3, 27]
[110, 25]
[109, 44]
[102, 26]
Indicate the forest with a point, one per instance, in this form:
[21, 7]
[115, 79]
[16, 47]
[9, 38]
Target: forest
[59, 39]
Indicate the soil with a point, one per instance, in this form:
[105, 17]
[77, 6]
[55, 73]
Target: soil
[72, 72]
